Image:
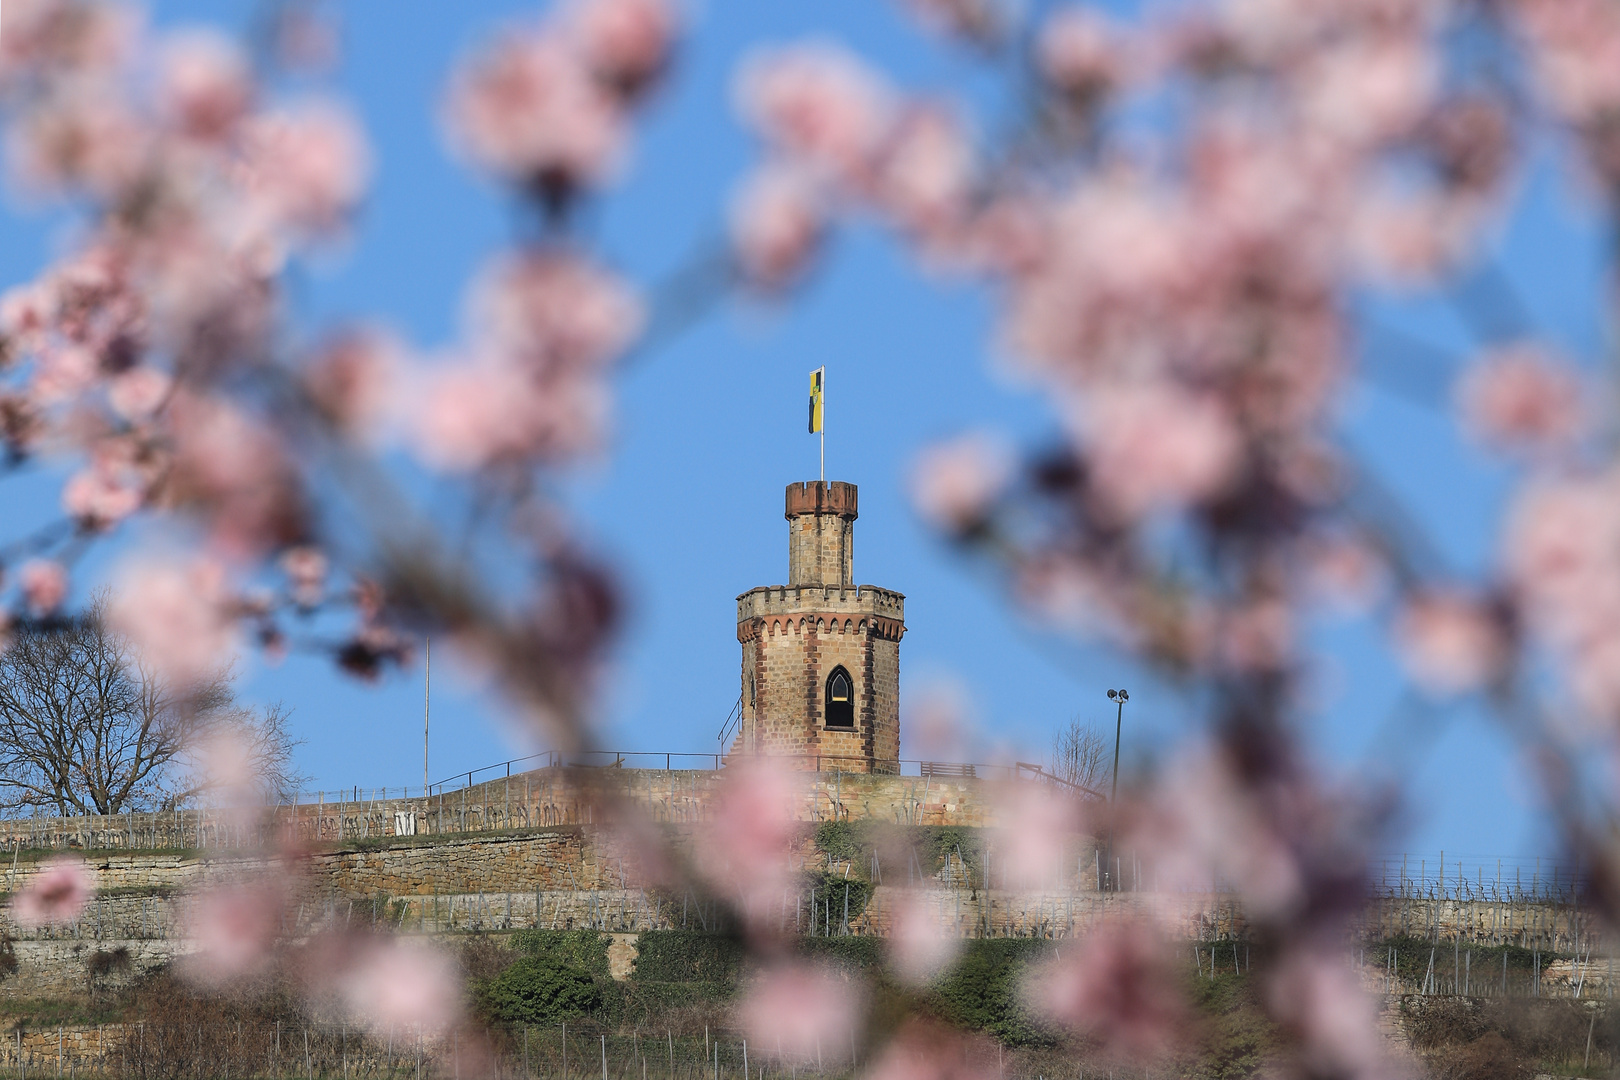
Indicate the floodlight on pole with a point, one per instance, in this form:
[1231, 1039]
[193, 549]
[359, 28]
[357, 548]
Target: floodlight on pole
[1120, 696]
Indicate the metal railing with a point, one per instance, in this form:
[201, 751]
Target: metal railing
[670, 761]
[733, 722]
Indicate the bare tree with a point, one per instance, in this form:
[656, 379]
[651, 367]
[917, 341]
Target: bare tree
[86, 728]
[1078, 753]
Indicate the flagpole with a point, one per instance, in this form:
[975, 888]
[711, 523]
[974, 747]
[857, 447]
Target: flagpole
[427, 687]
[823, 431]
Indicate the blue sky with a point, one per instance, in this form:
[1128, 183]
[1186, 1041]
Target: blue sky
[710, 429]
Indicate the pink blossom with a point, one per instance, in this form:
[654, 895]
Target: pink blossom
[1037, 826]
[1408, 239]
[1273, 31]
[1259, 200]
[818, 102]
[25, 312]
[487, 410]
[44, 585]
[1369, 87]
[1520, 397]
[398, 982]
[1323, 1000]
[1102, 293]
[1594, 670]
[937, 722]
[1011, 236]
[64, 372]
[232, 467]
[67, 38]
[1563, 561]
[56, 893]
[1562, 554]
[473, 414]
[742, 850]
[308, 166]
[105, 493]
[1450, 643]
[955, 484]
[528, 109]
[305, 568]
[803, 1009]
[926, 172]
[1189, 825]
[1258, 636]
[358, 379]
[204, 84]
[87, 139]
[138, 393]
[1080, 52]
[555, 309]
[1573, 47]
[1072, 594]
[625, 42]
[233, 929]
[226, 761]
[1133, 230]
[215, 271]
[1154, 446]
[1120, 987]
[178, 615]
[777, 223]
[920, 947]
[1345, 571]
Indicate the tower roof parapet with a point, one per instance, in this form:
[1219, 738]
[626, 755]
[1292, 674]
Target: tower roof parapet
[822, 497]
[796, 599]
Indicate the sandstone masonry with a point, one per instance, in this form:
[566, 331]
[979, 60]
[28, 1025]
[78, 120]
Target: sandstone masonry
[821, 655]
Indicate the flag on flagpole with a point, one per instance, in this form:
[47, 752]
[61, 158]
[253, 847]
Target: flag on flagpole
[816, 378]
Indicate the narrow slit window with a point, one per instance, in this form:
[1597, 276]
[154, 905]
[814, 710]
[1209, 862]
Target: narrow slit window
[840, 700]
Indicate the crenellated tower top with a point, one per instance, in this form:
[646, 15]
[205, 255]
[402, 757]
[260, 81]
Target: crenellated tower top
[821, 532]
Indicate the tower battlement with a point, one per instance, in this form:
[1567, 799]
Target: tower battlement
[823, 497]
[776, 599]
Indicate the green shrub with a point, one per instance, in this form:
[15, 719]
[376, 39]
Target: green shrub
[832, 886]
[984, 990]
[842, 841]
[936, 843]
[538, 989]
[856, 954]
[678, 956]
[586, 949]
[1235, 1039]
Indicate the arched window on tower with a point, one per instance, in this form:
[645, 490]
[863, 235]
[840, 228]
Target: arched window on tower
[840, 699]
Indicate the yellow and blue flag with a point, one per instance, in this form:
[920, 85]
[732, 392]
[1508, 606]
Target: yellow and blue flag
[816, 378]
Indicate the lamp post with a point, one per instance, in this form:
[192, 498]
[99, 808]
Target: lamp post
[1121, 697]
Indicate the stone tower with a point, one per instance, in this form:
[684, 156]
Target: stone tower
[821, 655]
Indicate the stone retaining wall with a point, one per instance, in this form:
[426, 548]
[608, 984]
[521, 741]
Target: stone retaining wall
[541, 797]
